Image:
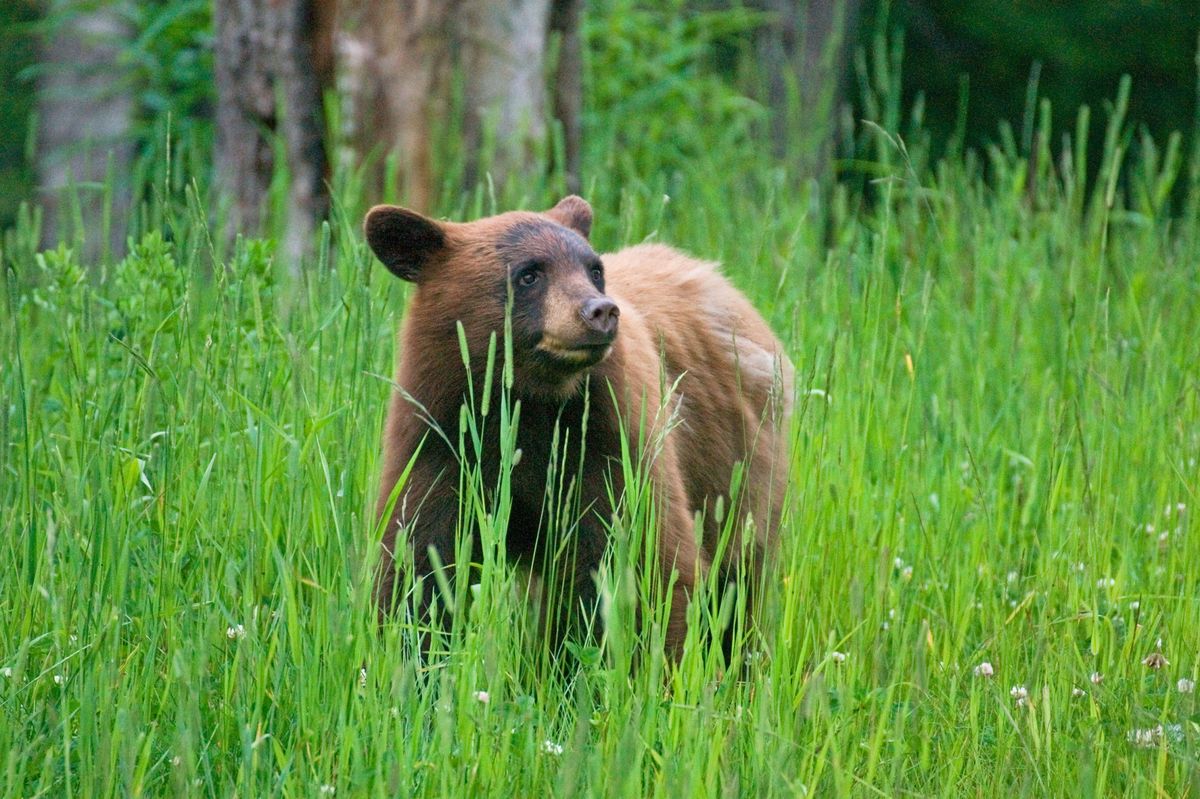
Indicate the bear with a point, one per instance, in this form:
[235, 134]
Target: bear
[644, 337]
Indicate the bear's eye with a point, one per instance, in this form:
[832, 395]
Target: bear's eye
[529, 276]
[597, 275]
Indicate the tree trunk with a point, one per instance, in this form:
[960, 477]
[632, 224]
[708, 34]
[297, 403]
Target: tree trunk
[502, 52]
[803, 52]
[85, 115]
[398, 63]
[393, 60]
[566, 19]
[266, 60]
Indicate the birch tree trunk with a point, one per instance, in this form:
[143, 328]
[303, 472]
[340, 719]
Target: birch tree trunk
[266, 59]
[85, 114]
[502, 58]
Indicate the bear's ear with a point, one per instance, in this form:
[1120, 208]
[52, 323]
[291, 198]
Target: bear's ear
[573, 212]
[403, 239]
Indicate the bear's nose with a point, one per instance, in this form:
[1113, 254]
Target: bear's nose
[601, 314]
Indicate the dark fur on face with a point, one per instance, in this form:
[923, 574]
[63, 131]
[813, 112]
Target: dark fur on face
[555, 277]
[562, 321]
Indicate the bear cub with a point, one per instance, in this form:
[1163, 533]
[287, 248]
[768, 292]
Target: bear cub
[645, 339]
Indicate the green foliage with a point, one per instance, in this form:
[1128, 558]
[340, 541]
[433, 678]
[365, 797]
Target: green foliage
[1073, 52]
[16, 98]
[654, 103]
[168, 61]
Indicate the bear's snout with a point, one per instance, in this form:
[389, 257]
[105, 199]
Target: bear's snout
[600, 314]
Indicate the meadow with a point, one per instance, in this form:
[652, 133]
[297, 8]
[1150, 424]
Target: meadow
[989, 577]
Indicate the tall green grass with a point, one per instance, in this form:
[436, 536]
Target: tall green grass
[994, 460]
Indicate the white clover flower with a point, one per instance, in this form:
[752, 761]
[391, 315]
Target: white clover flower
[362, 677]
[1145, 738]
[177, 761]
[58, 679]
[984, 669]
[1134, 605]
[1185, 686]
[1078, 693]
[1096, 678]
[1019, 694]
[838, 657]
[1151, 737]
[1106, 582]
[551, 748]
[328, 790]
[6, 672]
[481, 697]
[906, 573]
[1012, 577]
[898, 563]
[235, 631]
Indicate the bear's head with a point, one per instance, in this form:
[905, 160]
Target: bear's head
[562, 322]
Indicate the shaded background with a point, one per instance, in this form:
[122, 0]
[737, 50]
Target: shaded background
[100, 97]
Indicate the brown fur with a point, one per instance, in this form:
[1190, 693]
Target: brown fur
[681, 325]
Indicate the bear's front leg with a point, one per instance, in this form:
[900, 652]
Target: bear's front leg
[568, 566]
[420, 534]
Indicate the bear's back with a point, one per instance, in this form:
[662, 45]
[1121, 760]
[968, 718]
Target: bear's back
[736, 384]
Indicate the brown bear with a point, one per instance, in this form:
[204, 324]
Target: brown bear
[643, 338]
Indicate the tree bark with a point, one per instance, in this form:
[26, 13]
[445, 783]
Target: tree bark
[266, 60]
[85, 116]
[398, 63]
[393, 61]
[502, 52]
[803, 52]
[566, 18]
